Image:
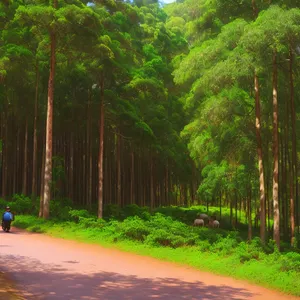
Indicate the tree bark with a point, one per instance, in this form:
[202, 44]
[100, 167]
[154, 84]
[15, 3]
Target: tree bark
[89, 153]
[49, 126]
[42, 182]
[293, 167]
[4, 155]
[260, 161]
[132, 183]
[249, 209]
[255, 9]
[34, 158]
[119, 197]
[151, 184]
[25, 165]
[276, 232]
[101, 150]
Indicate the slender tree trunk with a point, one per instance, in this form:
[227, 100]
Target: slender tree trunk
[16, 162]
[167, 183]
[71, 168]
[90, 194]
[48, 156]
[101, 151]
[276, 233]
[42, 182]
[249, 209]
[24, 187]
[255, 9]
[119, 197]
[151, 184]
[34, 158]
[88, 153]
[4, 154]
[132, 192]
[260, 161]
[293, 166]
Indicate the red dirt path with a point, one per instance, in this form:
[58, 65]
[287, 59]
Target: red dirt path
[51, 268]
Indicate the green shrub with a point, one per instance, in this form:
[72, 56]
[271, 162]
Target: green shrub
[3, 204]
[290, 262]
[112, 211]
[91, 222]
[247, 251]
[22, 204]
[76, 214]
[159, 221]
[161, 237]
[135, 210]
[225, 245]
[134, 228]
[203, 245]
[58, 210]
[19, 204]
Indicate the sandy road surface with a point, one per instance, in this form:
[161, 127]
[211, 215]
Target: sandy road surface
[51, 268]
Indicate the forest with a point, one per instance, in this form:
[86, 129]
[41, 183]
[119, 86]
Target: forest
[116, 103]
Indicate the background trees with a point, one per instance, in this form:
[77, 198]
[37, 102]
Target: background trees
[196, 101]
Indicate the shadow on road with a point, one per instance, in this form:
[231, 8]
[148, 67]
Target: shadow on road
[43, 281]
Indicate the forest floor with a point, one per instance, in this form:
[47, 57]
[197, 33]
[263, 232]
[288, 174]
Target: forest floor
[54, 268]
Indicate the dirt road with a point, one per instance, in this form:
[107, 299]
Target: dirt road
[50, 268]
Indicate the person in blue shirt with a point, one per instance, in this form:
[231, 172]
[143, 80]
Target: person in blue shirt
[7, 217]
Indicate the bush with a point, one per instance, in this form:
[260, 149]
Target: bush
[76, 214]
[159, 221]
[247, 251]
[225, 246]
[112, 211]
[291, 262]
[22, 204]
[134, 228]
[59, 209]
[203, 245]
[91, 222]
[161, 237]
[134, 210]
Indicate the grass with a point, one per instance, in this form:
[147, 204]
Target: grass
[217, 251]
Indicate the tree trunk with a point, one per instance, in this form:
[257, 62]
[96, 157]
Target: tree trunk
[119, 197]
[293, 166]
[255, 9]
[276, 233]
[24, 187]
[249, 209]
[71, 168]
[90, 194]
[260, 161]
[34, 158]
[101, 150]
[132, 192]
[151, 184]
[4, 155]
[48, 156]
[42, 182]
[89, 153]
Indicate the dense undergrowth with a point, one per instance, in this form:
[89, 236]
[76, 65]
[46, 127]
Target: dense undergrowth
[167, 234]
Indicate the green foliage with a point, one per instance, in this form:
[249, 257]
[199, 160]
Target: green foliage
[77, 214]
[60, 208]
[291, 262]
[19, 204]
[134, 228]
